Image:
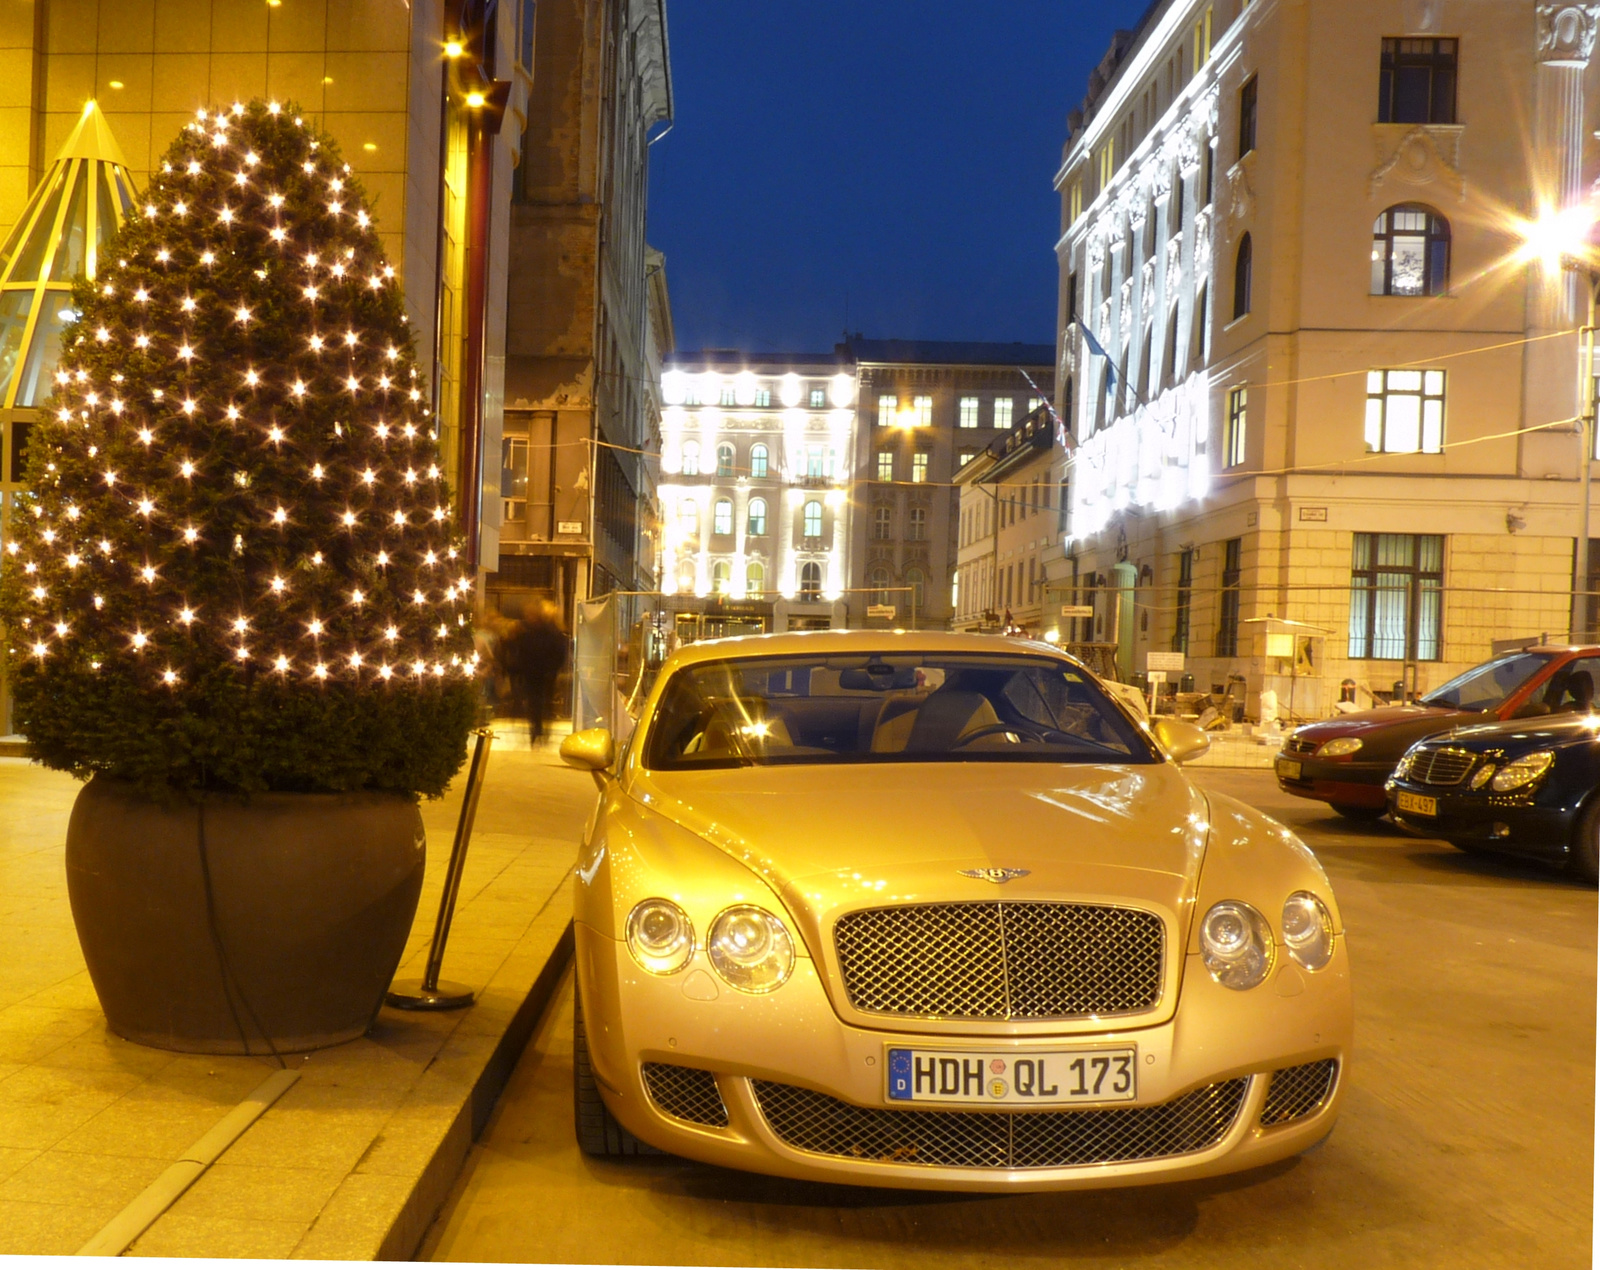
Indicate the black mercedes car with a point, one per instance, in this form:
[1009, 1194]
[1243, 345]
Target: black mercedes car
[1527, 787]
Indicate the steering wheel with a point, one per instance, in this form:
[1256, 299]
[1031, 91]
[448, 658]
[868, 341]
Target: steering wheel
[989, 729]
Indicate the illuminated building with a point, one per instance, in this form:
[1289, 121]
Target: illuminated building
[757, 464]
[1308, 370]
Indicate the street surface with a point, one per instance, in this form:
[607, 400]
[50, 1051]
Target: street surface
[1466, 1139]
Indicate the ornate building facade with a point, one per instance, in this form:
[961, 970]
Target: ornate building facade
[1311, 369]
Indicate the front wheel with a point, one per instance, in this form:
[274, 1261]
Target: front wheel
[1361, 815]
[597, 1129]
[1583, 862]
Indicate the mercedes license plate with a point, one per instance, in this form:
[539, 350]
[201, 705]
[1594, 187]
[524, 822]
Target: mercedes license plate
[1289, 769]
[1037, 1079]
[1418, 803]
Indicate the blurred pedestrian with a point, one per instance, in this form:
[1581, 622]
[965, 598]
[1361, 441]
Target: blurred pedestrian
[533, 653]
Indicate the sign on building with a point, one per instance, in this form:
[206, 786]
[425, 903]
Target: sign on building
[889, 611]
[1164, 662]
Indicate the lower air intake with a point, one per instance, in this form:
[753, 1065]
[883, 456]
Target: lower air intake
[1296, 1092]
[686, 1093]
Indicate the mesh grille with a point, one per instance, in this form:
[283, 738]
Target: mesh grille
[1298, 1091]
[687, 1093]
[1302, 746]
[1001, 960]
[1444, 766]
[814, 1122]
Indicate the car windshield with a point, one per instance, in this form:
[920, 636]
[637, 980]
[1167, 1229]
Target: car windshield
[1485, 687]
[893, 707]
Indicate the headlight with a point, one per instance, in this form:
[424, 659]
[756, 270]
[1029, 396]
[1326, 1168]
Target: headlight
[1236, 944]
[1402, 769]
[1308, 930]
[1480, 778]
[660, 936]
[750, 948]
[1339, 746]
[1522, 771]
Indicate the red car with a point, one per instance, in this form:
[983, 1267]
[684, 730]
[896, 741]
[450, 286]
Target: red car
[1344, 762]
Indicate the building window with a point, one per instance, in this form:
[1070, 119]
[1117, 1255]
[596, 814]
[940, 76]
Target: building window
[1063, 510]
[1410, 252]
[888, 407]
[1228, 620]
[758, 461]
[919, 467]
[968, 416]
[691, 458]
[721, 577]
[1405, 411]
[878, 580]
[1247, 117]
[1180, 626]
[755, 580]
[1242, 267]
[756, 518]
[885, 465]
[922, 412]
[965, 457]
[763, 402]
[722, 516]
[1396, 596]
[815, 461]
[513, 483]
[883, 523]
[819, 398]
[1202, 40]
[1417, 81]
[915, 580]
[918, 524]
[724, 460]
[688, 518]
[811, 519]
[1233, 443]
[1002, 412]
[1075, 202]
[810, 580]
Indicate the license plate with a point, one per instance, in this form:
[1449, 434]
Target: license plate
[1289, 769]
[1418, 803]
[1043, 1079]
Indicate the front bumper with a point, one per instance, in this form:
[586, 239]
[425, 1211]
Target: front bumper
[1331, 781]
[792, 1045]
[1499, 823]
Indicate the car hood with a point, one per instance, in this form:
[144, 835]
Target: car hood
[1363, 722]
[1528, 734]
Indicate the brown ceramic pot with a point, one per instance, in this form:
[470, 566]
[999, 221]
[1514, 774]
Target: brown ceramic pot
[311, 901]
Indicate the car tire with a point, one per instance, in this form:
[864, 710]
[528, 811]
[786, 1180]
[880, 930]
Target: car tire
[597, 1129]
[1583, 861]
[1361, 815]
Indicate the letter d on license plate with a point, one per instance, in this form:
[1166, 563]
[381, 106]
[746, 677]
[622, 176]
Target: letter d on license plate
[1033, 1079]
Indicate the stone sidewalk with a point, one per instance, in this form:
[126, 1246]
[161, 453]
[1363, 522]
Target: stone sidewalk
[354, 1159]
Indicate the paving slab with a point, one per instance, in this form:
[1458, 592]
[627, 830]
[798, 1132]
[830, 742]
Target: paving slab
[353, 1161]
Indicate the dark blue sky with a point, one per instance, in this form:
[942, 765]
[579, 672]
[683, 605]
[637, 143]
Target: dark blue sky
[894, 156]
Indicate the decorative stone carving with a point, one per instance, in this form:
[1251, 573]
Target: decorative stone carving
[1097, 251]
[1208, 108]
[1174, 265]
[1148, 279]
[1421, 17]
[1241, 194]
[1189, 154]
[1566, 33]
[1104, 324]
[1069, 351]
[1428, 154]
[1202, 243]
[1161, 176]
[1125, 311]
[1138, 213]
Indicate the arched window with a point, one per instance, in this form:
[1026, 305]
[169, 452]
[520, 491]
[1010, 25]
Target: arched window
[722, 516]
[1202, 309]
[883, 523]
[811, 519]
[1169, 362]
[755, 579]
[756, 522]
[810, 580]
[1410, 252]
[915, 581]
[724, 459]
[691, 458]
[1242, 265]
[721, 577]
[689, 518]
[878, 580]
[758, 461]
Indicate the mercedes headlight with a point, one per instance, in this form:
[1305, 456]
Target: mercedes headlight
[750, 948]
[660, 936]
[1522, 771]
[1339, 747]
[1236, 944]
[1308, 930]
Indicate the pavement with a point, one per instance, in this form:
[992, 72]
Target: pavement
[353, 1161]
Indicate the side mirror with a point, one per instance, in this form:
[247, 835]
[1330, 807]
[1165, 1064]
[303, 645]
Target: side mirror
[1183, 741]
[592, 749]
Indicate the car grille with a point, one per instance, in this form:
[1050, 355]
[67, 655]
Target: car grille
[1446, 765]
[687, 1093]
[809, 1121]
[1001, 960]
[1300, 746]
[1298, 1091]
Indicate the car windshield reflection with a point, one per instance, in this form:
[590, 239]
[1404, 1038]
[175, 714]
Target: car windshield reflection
[1486, 687]
[885, 709]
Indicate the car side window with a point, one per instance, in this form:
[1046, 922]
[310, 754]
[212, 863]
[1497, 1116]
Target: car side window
[1571, 689]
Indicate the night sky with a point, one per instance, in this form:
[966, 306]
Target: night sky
[887, 158]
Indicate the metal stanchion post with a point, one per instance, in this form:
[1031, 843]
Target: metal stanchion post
[430, 993]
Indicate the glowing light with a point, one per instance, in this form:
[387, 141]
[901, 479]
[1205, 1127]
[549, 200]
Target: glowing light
[314, 626]
[241, 314]
[453, 48]
[169, 676]
[186, 616]
[1556, 236]
[349, 518]
[278, 585]
[140, 639]
[280, 517]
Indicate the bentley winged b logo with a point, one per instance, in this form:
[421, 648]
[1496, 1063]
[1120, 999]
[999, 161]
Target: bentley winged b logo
[998, 876]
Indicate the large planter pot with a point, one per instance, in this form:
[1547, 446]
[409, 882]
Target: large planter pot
[218, 928]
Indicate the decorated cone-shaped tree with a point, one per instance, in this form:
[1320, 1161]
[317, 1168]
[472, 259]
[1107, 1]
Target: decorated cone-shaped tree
[234, 567]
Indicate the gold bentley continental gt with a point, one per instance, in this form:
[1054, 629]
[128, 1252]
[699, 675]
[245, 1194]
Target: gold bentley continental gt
[933, 910]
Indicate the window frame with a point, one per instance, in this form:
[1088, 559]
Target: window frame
[917, 524]
[922, 411]
[725, 450]
[1243, 276]
[885, 466]
[1228, 608]
[967, 412]
[810, 581]
[1421, 588]
[919, 467]
[1436, 243]
[1003, 419]
[689, 458]
[755, 518]
[722, 517]
[759, 458]
[883, 523]
[1235, 438]
[888, 408]
[811, 512]
[1393, 59]
[1388, 394]
[1248, 108]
